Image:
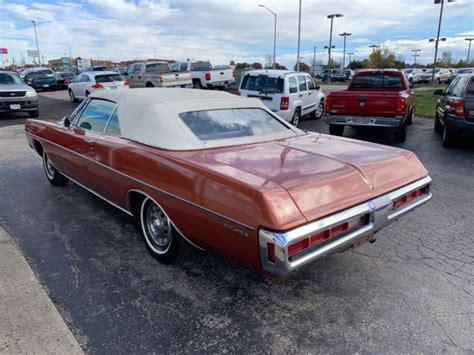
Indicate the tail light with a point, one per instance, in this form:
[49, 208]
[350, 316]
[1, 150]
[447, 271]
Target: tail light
[161, 80]
[284, 103]
[325, 234]
[208, 76]
[458, 107]
[401, 104]
[402, 200]
[328, 103]
[97, 86]
[125, 83]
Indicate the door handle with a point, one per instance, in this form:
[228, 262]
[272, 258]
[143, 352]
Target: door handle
[139, 77]
[301, 95]
[309, 93]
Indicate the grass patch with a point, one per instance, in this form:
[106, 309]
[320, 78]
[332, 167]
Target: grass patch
[426, 101]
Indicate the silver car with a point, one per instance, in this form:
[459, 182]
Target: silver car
[16, 96]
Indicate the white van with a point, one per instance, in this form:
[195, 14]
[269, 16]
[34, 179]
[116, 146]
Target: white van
[289, 94]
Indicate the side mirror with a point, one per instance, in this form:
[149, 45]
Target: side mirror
[66, 121]
[439, 92]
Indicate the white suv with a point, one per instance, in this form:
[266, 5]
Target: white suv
[289, 94]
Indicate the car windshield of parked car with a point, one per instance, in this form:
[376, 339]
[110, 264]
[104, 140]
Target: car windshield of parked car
[9, 79]
[377, 81]
[108, 78]
[231, 123]
[263, 83]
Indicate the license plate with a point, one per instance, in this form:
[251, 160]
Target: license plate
[15, 107]
[113, 87]
[46, 85]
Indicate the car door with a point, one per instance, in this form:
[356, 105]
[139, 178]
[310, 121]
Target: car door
[82, 134]
[303, 93]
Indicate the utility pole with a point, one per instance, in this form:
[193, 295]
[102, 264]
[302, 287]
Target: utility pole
[469, 50]
[274, 33]
[373, 46]
[36, 37]
[345, 35]
[314, 59]
[437, 36]
[350, 57]
[299, 40]
[415, 54]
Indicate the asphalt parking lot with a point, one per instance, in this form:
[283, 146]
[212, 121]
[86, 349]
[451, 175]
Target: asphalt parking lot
[411, 291]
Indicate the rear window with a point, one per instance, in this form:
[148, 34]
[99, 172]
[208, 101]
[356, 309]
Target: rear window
[108, 78]
[157, 68]
[201, 66]
[262, 83]
[377, 81]
[231, 123]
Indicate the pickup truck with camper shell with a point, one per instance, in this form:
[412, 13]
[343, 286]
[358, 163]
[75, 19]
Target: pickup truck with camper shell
[374, 98]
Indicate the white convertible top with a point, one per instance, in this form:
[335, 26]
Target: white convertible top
[151, 116]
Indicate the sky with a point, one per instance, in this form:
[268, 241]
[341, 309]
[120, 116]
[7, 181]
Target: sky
[226, 30]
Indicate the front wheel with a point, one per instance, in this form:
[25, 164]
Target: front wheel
[34, 113]
[53, 176]
[336, 129]
[160, 236]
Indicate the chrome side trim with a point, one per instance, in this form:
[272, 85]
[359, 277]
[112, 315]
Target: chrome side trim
[150, 186]
[378, 211]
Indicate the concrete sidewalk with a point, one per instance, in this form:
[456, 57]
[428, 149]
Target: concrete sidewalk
[29, 322]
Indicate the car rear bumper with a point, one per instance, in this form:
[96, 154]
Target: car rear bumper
[461, 126]
[375, 121]
[376, 213]
[26, 104]
[220, 83]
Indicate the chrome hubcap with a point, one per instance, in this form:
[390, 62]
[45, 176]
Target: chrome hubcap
[158, 227]
[320, 109]
[296, 119]
[50, 170]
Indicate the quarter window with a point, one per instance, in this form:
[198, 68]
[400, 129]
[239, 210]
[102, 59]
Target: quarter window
[95, 116]
[113, 126]
[183, 67]
[293, 85]
[310, 83]
[458, 89]
[302, 83]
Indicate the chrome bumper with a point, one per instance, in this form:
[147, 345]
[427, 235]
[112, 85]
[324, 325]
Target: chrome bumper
[390, 122]
[378, 213]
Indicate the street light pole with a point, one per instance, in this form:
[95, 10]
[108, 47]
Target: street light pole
[274, 33]
[437, 36]
[415, 54]
[299, 40]
[469, 50]
[350, 57]
[373, 46]
[331, 17]
[345, 34]
[314, 59]
[37, 45]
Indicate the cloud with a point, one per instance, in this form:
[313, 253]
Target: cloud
[226, 30]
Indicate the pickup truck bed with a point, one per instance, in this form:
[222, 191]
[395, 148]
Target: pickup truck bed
[381, 98]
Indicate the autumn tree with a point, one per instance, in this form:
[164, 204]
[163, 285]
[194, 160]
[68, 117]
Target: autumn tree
[303, 67]
[384, 58]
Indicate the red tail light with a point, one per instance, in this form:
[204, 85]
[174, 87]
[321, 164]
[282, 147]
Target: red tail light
[284, 103]
[125, 83]
[208, 76]
[401, 104]
[408, 197]
[271, 252]
[325, 234]
[97, 86]
[328, 103]
[458, 107]
[161, 80]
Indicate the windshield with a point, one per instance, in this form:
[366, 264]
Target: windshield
[263, 84]
[8, 79]
[108, 78]
[231, 123]
[377, 81]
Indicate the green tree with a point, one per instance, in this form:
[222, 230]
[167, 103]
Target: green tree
[356, 64]
[384, 58]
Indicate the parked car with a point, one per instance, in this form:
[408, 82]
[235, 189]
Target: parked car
[16, 96]
[228, 175]
[44, 79]
[424, 77]
[63, 79]
[455, 110]
[374, 98]
[349, 73]
[459, 71]
[87, 83]
[205, 76]
[289, 94]
[156, 74]
[336, 75]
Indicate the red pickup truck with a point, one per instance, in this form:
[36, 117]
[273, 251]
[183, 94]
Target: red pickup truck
[374, 98]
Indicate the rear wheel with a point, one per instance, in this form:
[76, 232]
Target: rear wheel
[197, 84]
[319, 112]
[150, 85]
[295, 121]
[72, 97]
[160, 236]
[448, 136]
[336, 129]
[53, 176]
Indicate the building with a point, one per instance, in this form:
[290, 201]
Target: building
[66, 64]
